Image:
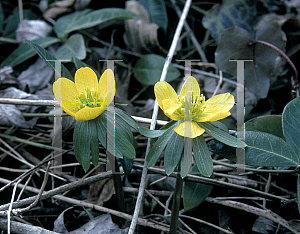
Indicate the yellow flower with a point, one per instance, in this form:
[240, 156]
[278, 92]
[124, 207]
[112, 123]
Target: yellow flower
[87, 98]
[173, 106]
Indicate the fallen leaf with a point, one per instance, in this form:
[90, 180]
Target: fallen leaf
[101, 225]
[32, 29]
[10, 115]
[36, 77]
[140, 34]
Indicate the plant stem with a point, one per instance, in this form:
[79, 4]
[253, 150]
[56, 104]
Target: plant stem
[176, 203]
[282, 54]
[118, 188]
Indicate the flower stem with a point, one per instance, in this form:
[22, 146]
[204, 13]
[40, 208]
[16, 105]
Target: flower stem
[176, 203]
[118, 188]
[282, 54]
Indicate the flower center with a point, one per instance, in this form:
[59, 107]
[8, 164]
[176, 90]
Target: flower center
[197, 104]
[88, 98]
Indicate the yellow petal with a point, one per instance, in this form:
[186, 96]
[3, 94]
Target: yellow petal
[216, 108]
[67, 96]
[107, 86]
[88, 113]
[196, 130]
[85, 77]
[172, 109]
[194, 87]
[204, 117]
[164, 91]
[220, 103]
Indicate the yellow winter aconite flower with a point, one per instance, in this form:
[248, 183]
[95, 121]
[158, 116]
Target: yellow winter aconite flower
[173, 106]
[87, 98]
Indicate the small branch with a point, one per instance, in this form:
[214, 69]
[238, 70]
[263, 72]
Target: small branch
[205, 74]
[215, 182]
[25, 174]
[40, 192]
[20, 3]
[282, 54]
[206, 223]
[251, 209]
[219, 83]
[55, 191]
[28, 102]
[254, 169]
[140, 221]
[11, 205]
[21, 228]
[3, 39]
[190, 32]
[168, 210]
[22, 190]
[155, 113]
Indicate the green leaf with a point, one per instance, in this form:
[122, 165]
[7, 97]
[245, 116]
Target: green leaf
[222, 136]
[126, 163]
[14, 20]
[148, 69]
[101, 133]
[79, 64]
[123, 137]
[187, 158]
[222, 150]
[1, 17]
[94, 142]
[46, 56]
[87, 18]
[202, 156]
[74, 47]
[163, 128]
[269, 123]
[24, 51]
[127, 118]
[220, 125]
[150, 133]
[291, 124]
[123, 144]
[86, 143]
[266, 61]
[157, 11]
[195, 193]
[160, 145]
[231, 13]
[266, 150]
[173, 152]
